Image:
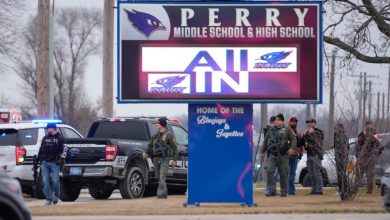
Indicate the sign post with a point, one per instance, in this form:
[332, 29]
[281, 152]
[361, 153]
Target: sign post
[220, 167]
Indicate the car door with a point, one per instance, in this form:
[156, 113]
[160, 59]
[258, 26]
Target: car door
[180, 171]
[8, 143]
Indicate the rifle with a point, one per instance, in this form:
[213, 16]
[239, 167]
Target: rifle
[277, 147]
[161, 149]
[275, 152]
[36, 171]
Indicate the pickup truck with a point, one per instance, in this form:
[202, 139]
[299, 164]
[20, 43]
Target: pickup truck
[110, 157]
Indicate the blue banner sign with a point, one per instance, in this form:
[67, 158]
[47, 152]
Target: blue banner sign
[220, 168]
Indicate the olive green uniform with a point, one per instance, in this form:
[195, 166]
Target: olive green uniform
[161, 157]
[277, 143]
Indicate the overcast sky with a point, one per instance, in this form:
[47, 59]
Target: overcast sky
[93, 78]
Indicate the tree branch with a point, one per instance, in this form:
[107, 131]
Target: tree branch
[342, 45]
[378, 18]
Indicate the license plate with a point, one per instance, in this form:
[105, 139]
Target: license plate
[75, 171]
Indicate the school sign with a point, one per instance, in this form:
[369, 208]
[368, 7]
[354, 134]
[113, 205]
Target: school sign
[206, 52]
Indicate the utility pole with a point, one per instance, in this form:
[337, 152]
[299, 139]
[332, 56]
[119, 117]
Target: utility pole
[378, 109]
[51, 63]
[360, 101]
[363, 94]
[264, 115]
[369, 99]
[388, 102]
[42, 63]
[332, 97]
[364, 99]
[308, 115]
[314, 110]
[359, 97]
[108, 66]
[383, 126]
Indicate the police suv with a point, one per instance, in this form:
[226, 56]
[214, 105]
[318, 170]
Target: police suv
[20, 142]
[110, 158]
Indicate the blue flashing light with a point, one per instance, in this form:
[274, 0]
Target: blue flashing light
[258, 166]
[47, 121]
[3, 134]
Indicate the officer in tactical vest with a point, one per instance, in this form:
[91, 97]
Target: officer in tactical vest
[162, 147]
[314, 141]
[52, 155]
[279, 143]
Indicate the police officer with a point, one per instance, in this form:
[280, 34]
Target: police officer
[314, 139]
[296, 155]
[162, 148]
[279, 143]
[367, 151]
[262, 150]
[265, 131]
[51, 155]
[270, 125]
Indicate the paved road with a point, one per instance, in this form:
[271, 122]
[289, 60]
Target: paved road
[231, 217]
[83, 198]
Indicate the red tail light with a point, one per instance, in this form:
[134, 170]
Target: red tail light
[175, 121]
[111, 152]
[20, 153]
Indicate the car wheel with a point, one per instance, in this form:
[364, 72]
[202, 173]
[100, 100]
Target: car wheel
[307, 180]
[133, 185]
[10, 210]
[69, 191]
[387, 206]
[103, 191]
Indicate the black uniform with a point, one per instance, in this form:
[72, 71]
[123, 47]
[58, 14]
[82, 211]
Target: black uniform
[51, 155]
[52, 147]
[315, 154]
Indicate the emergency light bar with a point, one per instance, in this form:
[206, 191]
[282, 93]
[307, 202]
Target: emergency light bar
[48, 121]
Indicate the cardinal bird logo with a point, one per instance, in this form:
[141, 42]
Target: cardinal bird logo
[169, 82]
[143, 22]
[272, 60]
[275, 56]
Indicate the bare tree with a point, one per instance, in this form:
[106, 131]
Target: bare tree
[77, 38]
[359, 27]
[25, 65]
[350, 165]
[76, 30]
[9, 11]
